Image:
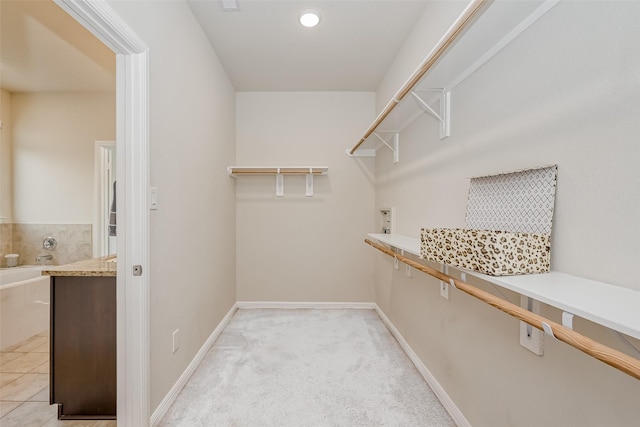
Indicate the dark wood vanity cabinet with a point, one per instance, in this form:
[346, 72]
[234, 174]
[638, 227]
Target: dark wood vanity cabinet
[83, 347]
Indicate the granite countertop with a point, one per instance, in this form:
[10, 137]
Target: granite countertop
[96, 267]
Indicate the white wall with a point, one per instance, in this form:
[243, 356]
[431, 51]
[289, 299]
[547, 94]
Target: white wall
[295, 248]
[6, 203]
[54, 136]
[562, 94]
[192, 126]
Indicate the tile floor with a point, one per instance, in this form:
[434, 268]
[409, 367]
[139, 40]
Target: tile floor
[24, 387]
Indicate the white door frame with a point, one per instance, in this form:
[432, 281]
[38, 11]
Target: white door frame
[132, 157]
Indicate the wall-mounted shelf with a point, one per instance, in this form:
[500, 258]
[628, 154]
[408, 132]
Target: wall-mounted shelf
[481, 31]
[612, 306]
[279, 172]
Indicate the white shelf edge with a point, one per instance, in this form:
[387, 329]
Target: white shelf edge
[611, 306]
[362, 152]
[399, 241]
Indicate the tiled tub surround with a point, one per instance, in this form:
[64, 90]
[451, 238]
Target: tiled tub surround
[5, 242]
[74, 242]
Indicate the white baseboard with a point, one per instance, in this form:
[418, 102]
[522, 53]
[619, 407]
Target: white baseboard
[297, 304]
[442, 395]
[168, 400]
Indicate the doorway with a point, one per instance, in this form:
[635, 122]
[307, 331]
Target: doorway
[132, 158]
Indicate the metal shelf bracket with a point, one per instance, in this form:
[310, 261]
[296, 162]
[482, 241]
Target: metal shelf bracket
[309, 184]
[444, 116]
[394, 146]
[279, 184]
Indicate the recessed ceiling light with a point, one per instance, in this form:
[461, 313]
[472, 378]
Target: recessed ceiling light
[309, 18]
[228, 5]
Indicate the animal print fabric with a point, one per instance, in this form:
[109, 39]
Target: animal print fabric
[496, 253]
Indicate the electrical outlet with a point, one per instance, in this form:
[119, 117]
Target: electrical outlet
[176, 340]
[531, 338]
[388, 220]
[444, 290]
[444, 286]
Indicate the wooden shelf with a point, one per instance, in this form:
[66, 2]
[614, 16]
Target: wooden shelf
[275, 170]
[279, 172]
[612, 306]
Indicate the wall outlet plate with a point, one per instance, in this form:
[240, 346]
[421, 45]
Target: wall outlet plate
[444, 290]
[387, 220]
[531, 338]
[444, 286]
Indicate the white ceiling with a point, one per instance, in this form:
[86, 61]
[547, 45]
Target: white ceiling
[263, 47]
[43, 49]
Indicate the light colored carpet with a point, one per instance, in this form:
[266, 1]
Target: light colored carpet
[305, 367]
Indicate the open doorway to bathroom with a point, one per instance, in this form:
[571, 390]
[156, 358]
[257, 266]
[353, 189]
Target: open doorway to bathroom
[58, 97]
[132, 139]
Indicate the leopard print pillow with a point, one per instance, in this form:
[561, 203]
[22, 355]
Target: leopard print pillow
[497, 253]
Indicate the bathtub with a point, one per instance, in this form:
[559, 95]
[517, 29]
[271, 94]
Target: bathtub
[24, 304]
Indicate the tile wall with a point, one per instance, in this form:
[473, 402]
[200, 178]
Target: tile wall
[74, 242]
[5, 241]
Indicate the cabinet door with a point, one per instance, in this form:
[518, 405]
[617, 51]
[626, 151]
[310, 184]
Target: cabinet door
[83, 346]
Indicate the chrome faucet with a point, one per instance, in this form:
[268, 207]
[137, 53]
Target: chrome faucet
[41, 258]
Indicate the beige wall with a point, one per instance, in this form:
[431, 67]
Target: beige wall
[192, 126]
[295, 248]
[54, 138]
[559, 94]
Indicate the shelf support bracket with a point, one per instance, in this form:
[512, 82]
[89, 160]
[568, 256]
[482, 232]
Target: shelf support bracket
[444, 116]
[279, 184]
[395, 149]
[309, 186]
[547, 330]
[567, 320]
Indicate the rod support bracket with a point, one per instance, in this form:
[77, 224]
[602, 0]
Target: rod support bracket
[309, 183]
[444, 115]
[279, 184]
[547, 330]
[395, 148]
[567, 320]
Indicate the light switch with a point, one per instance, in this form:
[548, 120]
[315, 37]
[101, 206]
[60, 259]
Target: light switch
[153, 201]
